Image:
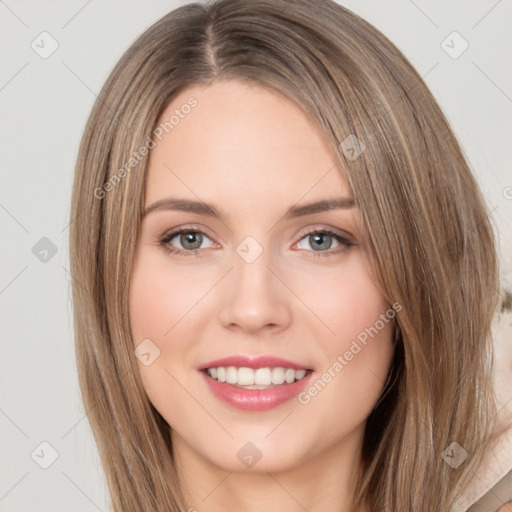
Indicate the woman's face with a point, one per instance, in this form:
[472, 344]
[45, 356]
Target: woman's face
[249, 291]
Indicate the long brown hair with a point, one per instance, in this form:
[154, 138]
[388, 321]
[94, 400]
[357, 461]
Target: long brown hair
[425, 225]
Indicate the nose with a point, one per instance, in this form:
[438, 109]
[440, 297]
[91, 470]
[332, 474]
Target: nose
[254, 298]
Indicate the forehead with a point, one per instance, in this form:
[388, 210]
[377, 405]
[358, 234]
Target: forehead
[233, 139]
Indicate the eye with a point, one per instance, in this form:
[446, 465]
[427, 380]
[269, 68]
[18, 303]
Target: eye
[185, 241]
[321, 241]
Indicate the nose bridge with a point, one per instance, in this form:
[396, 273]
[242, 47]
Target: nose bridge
[255, 297]
[252, 275]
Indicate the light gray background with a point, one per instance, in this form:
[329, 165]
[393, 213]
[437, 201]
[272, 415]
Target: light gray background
[44, 106]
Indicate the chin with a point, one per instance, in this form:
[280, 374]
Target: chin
[251, 459]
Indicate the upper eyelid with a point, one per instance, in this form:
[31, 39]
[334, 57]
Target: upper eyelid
[173, 233]
[335, 231]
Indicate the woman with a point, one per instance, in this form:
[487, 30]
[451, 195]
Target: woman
[284, 271]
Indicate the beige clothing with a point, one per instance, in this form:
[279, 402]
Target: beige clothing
[491, 488]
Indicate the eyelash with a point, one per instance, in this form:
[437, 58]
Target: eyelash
[166, 239]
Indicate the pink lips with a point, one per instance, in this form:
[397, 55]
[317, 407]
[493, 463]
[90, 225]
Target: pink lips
[254, 399]
[253, 362]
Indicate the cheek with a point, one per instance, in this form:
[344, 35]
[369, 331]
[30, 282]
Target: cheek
[157, 301]
[152, 304]
[160, 299]
[166, 308]
[347, 303]
[357, 347]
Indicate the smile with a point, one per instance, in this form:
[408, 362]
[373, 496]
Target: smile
[254, 383]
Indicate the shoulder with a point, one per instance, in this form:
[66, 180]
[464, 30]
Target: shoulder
[496, 499]
[491, 488]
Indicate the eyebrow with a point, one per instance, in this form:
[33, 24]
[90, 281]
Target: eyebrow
[203, 208]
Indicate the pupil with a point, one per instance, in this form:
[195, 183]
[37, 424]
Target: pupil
[323, 240]
[194, 239]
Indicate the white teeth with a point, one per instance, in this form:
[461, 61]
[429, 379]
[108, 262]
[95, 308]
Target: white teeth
[262, 376]
[231, 375]
[253, 378]
[289, 375]
[245, 376]
[299, 374]
[278, 375]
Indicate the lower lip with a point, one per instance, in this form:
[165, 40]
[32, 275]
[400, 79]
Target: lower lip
[255, 399]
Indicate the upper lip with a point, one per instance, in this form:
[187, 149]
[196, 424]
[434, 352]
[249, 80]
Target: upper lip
[253, 362]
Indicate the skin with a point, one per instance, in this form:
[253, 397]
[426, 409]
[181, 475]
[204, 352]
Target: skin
[253, 154]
